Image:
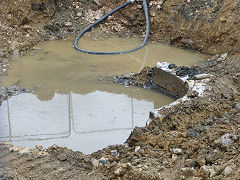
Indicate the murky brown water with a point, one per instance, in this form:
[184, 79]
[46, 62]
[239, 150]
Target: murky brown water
[74, 102]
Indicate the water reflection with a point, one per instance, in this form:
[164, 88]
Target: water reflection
[81, 122]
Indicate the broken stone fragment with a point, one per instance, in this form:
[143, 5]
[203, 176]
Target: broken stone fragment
[187, 171]
[177, 151]
[39, 147]
[14, 149]
[223, 19]
[237, 107]
[174, 157]
[26, 27]
[68, 24]
[118, 171]
[95, 162]
[97, 2]
[226, 140]
[24, 150]
[79, 14]
[228, 171]
[137, 148]
[190, 83]
[201, 76]
[16, 53]
[207, 171]
[223, 57]
[172, 66]
[36, 48]
[62, 157]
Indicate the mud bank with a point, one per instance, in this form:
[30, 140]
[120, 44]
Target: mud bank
[208, 26]
[194, 139]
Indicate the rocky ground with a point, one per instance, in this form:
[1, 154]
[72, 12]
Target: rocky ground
[197, 139]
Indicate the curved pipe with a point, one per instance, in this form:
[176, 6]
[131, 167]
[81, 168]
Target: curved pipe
[145, 8]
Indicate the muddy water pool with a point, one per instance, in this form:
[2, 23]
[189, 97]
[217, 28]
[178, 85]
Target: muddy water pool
[72, 100]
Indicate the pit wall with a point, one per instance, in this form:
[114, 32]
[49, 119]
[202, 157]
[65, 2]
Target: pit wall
[183, 87]
[210, 26]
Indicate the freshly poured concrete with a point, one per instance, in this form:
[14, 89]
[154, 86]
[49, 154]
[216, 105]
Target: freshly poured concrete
[74, 102]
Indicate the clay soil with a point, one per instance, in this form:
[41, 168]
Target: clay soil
[197, 139]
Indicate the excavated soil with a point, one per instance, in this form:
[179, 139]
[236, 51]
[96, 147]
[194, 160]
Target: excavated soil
[197, 139]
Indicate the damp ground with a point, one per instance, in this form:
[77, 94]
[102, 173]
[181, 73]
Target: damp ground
[73, 101]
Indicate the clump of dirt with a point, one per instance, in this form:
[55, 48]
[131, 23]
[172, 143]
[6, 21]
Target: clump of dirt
[196, 139]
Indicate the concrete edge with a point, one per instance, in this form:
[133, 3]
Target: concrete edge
[196, 85]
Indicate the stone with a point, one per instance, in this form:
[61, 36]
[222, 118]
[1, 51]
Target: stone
[68, 24]
[177, 151]
[79, 14]
[225, 140]
[192, 133]
[172, 66]
[71, 29]
[237, 107]
[97, 2]
[42, 154]
[16, 53]
[201, 161]
[187, 171]
[174, 157]
[202, 76]
[118, 171]
[24, 151]
[227, 171]
[165, 162]
[36, 48]
[26, 27]
[137, 148]
[14, 149]
[190, 83]
[62, 157]
[95, 162]
[223, 57]
[38, 147]
[207, 171]
[223, 19]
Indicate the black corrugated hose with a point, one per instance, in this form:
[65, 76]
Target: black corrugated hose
[145, 8]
